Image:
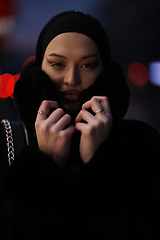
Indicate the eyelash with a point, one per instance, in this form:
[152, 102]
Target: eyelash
[57, 64]
[85, 65]
[89, 65]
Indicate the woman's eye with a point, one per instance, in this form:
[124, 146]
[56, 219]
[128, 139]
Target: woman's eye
[85, 65]
[57, 64]
[88, 65]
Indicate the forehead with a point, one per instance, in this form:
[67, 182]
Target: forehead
[72, 41]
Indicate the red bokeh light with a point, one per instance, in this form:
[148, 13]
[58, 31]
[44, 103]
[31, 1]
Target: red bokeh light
[16, 77]
[32, 58]
[7, 7]
[138, 74]
[6, 85]
[7, 81]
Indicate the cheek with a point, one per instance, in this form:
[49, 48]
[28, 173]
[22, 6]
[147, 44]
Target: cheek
[89, 79]
[86, 82]
[57, 79]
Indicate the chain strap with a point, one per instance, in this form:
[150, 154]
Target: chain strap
[9, 137]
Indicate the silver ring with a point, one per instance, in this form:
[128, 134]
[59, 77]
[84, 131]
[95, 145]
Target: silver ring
[41, 112]
[99, 110]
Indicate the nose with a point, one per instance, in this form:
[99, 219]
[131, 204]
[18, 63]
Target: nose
[71, 77]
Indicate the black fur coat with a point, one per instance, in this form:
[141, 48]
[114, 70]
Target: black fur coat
[104, 199]
[34, 86]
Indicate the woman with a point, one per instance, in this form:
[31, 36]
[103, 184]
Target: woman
[75, 180]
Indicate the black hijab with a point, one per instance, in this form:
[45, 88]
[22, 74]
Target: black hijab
[34, 85]
[73, 21]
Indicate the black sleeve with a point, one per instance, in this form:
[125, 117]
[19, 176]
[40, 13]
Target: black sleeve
[118, 176]
[35, 181]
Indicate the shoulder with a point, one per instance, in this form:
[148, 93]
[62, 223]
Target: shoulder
[135, 132]
[138, 143]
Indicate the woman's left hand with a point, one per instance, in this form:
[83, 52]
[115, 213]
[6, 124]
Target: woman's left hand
[96, 128]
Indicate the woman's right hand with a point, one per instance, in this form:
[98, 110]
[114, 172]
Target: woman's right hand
[54, 133]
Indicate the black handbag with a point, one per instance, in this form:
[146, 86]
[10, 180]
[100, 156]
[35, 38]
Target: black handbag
[13, 136]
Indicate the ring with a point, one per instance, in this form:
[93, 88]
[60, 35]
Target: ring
[99, 110]
[41, 112]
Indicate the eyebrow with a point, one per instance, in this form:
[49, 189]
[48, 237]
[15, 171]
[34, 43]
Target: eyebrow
[90, 56]
[87, 56]
[56, 55]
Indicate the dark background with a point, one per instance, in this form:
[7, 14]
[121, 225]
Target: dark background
[133, 29]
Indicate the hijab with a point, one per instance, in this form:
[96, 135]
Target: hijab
[73, 21]
[34, 85]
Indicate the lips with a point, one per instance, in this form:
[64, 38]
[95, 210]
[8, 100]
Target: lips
[71, 95]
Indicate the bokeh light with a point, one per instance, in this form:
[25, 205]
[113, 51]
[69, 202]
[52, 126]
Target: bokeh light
[16, 77]
[7, 81]
[154, 73]
[138, 74]
[6, 85]
[32, 58]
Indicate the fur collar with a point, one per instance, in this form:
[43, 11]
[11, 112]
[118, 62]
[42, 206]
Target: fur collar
[34, 86]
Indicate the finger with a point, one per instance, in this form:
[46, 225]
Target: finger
[102, 105]
[63, 122]
[94, 104]
[96, 107]
[56, 115]
[70, 130]
[84, 115]
[81, 127]
[44, 109]
[105, 104]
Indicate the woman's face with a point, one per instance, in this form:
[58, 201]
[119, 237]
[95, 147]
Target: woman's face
[73, 62]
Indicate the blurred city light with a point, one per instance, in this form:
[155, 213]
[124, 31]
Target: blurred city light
[32, 58]
[154, 73]
[138, 74]
[7, 17]
[6, 85]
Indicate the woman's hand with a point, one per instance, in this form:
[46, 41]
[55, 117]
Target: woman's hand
[54, 133]
[96, 127]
